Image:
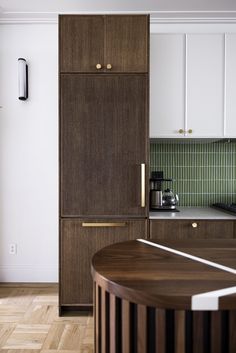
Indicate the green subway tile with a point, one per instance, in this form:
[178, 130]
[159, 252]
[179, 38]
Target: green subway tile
[204, 173]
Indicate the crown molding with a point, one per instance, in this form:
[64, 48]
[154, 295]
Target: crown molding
[156, 17]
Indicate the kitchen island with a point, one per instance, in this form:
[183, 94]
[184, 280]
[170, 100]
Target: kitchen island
[165, 297]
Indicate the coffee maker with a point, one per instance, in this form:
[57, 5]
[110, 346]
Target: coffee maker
[161, 200]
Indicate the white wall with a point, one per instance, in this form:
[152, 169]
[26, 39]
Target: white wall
[29, 154]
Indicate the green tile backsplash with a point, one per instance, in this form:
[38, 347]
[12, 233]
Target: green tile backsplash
[204, 173]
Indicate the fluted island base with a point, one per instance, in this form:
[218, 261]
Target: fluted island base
[124, 327]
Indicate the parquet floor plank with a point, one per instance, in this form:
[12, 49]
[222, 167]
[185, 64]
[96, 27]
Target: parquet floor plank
[29, 322]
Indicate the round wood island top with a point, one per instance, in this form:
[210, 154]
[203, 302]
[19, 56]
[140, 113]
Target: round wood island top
[155, 276]
[165, 297]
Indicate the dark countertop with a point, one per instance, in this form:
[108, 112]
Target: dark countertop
[153, 276]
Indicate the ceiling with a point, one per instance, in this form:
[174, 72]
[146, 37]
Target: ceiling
[158, 8]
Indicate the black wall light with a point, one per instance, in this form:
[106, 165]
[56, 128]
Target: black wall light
[22, 79]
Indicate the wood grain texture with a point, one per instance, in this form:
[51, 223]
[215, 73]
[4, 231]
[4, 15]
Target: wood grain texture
[104, 140]
[160, 341]
[147, 275]
[154, 330]
[182, 229]
[142, 329]
[179, 331]
[125, 326]
[119, 40]
[81, 42]
[78, 245]
[30, 331]
[127, 43]
[232, 331]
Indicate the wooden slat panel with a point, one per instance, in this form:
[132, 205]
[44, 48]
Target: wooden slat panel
[112, 323]
[179, 331]
[97, 319]
[125, 326]
[198, 335]
[142, 329]
[104, 322]
[216, 333]
[160, 331]
[232, 331]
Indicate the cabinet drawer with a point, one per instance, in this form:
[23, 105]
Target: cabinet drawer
[80, 240]
[192, 229]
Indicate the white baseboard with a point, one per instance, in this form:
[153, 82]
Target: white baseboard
[28, 273]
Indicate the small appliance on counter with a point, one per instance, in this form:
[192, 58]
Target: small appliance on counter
[225, 207]
[161, 200]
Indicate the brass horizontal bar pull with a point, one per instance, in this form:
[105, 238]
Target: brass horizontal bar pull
[100, 224]
[142, 184]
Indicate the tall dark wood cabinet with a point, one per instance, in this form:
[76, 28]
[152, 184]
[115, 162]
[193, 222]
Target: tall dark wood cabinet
[104, 98]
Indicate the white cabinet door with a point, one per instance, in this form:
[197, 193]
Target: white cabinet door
[205, 85]
[230, 86]
[167, 84]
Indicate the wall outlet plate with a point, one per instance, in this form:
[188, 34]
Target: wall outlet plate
[12, 249]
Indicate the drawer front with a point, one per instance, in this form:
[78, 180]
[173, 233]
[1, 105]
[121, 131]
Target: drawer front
[192, 229]
[79, 241]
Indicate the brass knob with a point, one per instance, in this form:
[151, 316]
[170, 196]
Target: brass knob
[190, 131]
[109, 66]
[194, 225]
[181, 131]
[98, 66]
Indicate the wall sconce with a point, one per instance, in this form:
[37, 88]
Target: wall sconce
[22, 79]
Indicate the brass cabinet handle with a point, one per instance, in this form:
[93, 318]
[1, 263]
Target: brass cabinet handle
[143, 184]
[194, 225]
[181, 131]
[190, 131]
[100, 224]
[98, 66]
[109, 66]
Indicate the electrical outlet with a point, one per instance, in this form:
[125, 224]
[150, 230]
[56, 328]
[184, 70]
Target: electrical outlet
[12, 249]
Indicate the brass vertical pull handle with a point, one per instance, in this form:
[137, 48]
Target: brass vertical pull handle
[142, 184]
[102, 224]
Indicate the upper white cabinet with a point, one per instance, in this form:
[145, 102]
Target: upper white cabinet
[193, 85]
[205, 84]
[167, 93]
[230, 85]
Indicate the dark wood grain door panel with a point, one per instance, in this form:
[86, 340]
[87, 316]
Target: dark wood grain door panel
[77, 246]
[127, 43]
[104, 140]
[119, 40]
[183, 229]
[81, 41]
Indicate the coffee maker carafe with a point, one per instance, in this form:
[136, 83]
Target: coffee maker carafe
[158, 199]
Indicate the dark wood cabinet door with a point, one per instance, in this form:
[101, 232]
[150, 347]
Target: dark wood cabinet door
[80, 240]
[121, 41]
[104, 141]
[81, 41]
[192, 229]
[127, 43]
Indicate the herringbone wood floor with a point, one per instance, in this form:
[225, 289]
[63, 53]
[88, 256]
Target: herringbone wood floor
[29, 322]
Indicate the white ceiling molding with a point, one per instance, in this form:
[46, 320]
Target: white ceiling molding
[156, 17]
